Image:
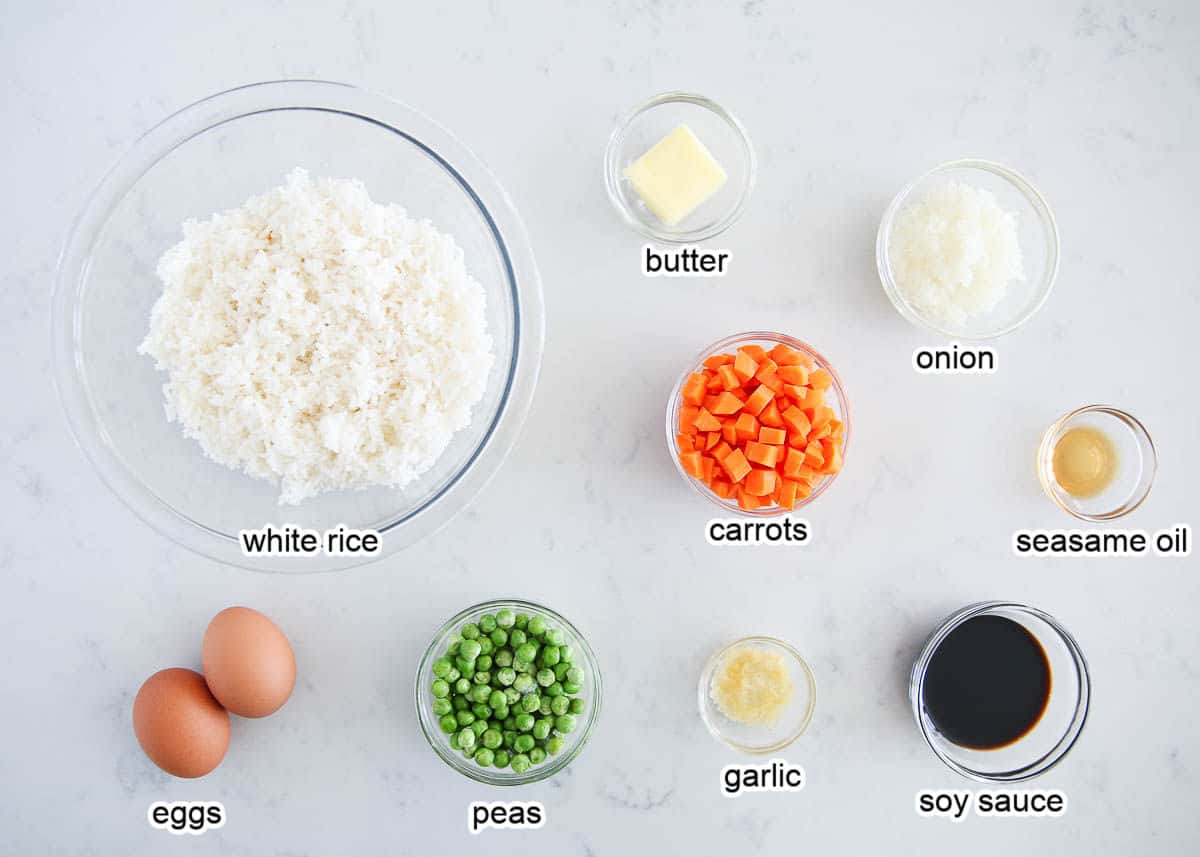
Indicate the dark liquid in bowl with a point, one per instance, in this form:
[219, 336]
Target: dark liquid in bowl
[987, 684]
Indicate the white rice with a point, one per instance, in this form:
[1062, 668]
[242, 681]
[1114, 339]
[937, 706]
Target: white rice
[319, 340]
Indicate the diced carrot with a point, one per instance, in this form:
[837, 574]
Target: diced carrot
[744, 366]
[822, 416]
[772, 380]
[748, 501]
[803, 489]
[766, 369]
[714, 384]
[736, 465]
[756, 352]
[714, 437]
[721, 450]
[717, 361]
[729, 431]
[693, 389]
[706, 422]
[729, 378]
[838, 428]
[797, 420]
[726, 403]
[820, 380]
[687, 419]
[795, 392]
[797, 440]
[814, 455]
[722, 488]
[808, 476]
[797, 375]
[813, 399]
[793, 463]
[692, 462]
[819, 432]
[762, 453]
[740, 394]
[759, 399]
[776, 436]
[760, 483]
[785, 356]
[706, 470]
[746, 427]
[833, 458]
[787, 494]
[684, 442]
[769, 416]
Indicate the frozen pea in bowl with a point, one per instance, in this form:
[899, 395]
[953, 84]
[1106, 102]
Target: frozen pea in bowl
[508, 692]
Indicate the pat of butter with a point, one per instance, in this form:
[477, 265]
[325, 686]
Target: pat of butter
[676, 175]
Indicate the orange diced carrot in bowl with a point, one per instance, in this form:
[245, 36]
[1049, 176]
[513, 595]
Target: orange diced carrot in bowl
[717, 361]
[759, 399]
[797, 420]
[761, 483]
[797, 375]
[726, 403]
[736, 465]
[744, 366]
[820, 380]
[706, 422]
[762, 453]
[692, 462]
[767, 434]
[746, 427]
[756, 352]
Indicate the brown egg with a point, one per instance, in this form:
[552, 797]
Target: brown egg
[248, 662]
[179, 724]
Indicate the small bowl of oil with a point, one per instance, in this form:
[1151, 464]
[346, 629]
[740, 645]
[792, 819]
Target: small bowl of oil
[1097, 462]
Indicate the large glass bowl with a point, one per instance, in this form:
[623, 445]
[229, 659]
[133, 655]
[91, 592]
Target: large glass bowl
[591, 693]
[212, 156]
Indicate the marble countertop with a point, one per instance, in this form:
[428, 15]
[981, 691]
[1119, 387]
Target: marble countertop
[1096, 101]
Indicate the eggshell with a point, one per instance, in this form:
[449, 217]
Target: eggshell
[248, 662]
[179, 724]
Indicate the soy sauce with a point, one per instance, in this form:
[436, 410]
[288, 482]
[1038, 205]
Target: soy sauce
[987, 683]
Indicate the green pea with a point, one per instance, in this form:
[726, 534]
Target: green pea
[531, 703]
[440, 689]
[576, 706]
[541, 729]
[555, 637]
[525, 652]
[442, 666]
[452, 676]
[503, 658]
[524, 683]
[522, 666]
[555, 689]
[565, 723]
[481, 711]
[544, 710]
[454, 745]
[466, 738]
[496, 699]
[442, 707]
[522, 621]
[554, 745]
[498, 637]
[510, 737]
[465, 718]
[459, 703]
[523, 744]
[511, 695]
[470, 631]
[560, 670]
[479, 693]
[560, 705]
[537, 626]
[506, 676]
[492, 738]
[462, 686]
[484, 757]
[571, 687]
[483, 662]
[469, 752]
[469, 650]
[502, 759]
[575, 675]
[545, 677]
[486, 646]
[487, 623]
[524, 722]
[505, 618]
[448, 723]
[480, 726]
[510, 724]
[520, 763]
[501, 712]
[537, 755]
[517, 637]
[482, 677]
[452, 642]
[549, 656]
[565, 653]
[466, 668]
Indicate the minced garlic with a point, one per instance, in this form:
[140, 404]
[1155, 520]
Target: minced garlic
[752, 685]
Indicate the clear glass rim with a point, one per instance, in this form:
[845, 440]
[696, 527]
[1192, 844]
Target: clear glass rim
[731, 342]
[916, 689]
[1027, 189]
[706, 677]
[490, 199]
[612, 169]
[468, 768]
[1146, 475]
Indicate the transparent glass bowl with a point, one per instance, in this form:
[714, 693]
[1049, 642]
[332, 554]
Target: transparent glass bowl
[1137, 463]
[760, 737]
[839, 403]
[1048, 742]
[720, 132]
[212, 156]
[574, 742]
[1036, 230]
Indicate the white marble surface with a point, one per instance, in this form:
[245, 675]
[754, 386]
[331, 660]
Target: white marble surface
[1097, 101]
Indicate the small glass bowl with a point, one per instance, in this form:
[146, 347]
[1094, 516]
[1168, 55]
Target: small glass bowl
[1036, 230]
[760, 737]
[1048, 742]
[720, 132]
[573, 742]
[840, 405]
[1136, 463]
